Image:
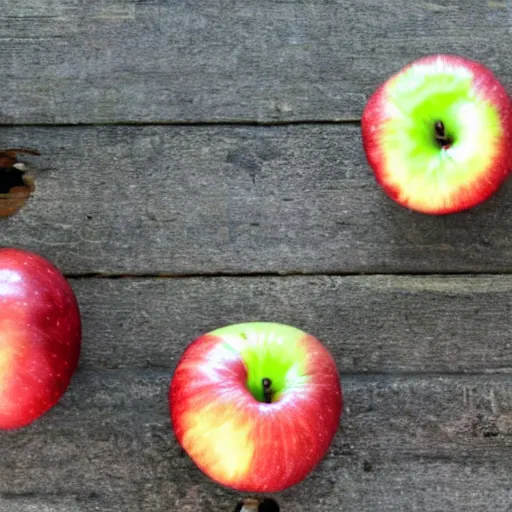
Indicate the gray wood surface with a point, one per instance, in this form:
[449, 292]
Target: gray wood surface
[371, 324]
[208, 200]
[407, 443]
[69, 61]
[195, 218]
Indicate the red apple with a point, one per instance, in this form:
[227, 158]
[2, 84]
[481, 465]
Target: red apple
[40, 335]
[438, 134]
[256, 405]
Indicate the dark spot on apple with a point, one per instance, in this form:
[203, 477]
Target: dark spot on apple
[243, 336]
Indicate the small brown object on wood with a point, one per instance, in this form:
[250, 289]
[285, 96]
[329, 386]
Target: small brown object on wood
[257, 505]
[16, 183]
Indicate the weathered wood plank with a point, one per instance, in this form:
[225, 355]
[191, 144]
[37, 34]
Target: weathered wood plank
[67, 61]
[410, 444]
[371, 324]
[203, 200]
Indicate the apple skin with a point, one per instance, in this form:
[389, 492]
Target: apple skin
[478, 114]
[233, 436]
[40, 336]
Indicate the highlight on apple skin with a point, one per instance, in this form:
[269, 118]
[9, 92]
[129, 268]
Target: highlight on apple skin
[438, 134]
[40, 336]
[256, 405]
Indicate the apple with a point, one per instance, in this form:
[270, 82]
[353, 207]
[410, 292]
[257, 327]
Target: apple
[256, 405]
[40, 336]
[438, 134]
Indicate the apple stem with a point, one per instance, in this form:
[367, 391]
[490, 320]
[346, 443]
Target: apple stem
[441, 137]
[267, 390]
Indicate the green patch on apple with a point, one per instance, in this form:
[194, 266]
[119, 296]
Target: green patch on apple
[267, 353]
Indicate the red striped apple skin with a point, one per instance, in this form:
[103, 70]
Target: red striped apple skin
[243, 443]
[477, 180]
[40, 336]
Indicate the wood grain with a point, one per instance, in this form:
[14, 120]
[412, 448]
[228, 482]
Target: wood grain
[203, 219]
[67, 61]
[377, 324]
[408, 443]
[231, 200]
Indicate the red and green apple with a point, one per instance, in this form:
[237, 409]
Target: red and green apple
[438, 134]
[40, 336]
[256, 405]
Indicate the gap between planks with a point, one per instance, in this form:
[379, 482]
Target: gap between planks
[199, 124]
[215, 275]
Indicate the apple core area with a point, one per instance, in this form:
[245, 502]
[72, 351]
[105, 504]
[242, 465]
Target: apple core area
[432, 127]
[272, 364]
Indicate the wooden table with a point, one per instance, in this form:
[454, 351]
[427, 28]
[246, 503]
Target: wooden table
[208, 169]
